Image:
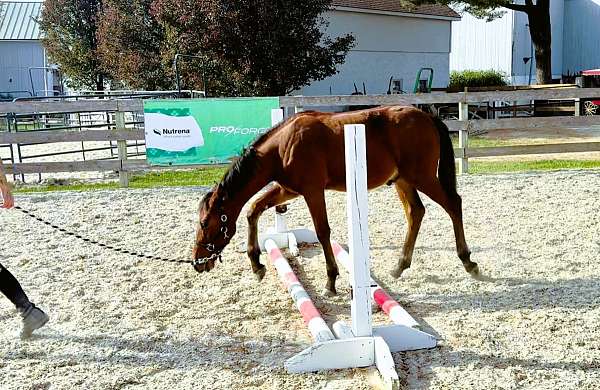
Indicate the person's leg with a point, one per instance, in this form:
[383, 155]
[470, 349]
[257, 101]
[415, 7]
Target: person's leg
[10, 287]
[33, 317]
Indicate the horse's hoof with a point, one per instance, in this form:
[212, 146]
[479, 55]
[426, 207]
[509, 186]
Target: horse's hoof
[260, 273]
[477, 275]
[396, 272]
[329, 293]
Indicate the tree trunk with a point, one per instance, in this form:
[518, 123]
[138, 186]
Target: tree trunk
[541, 36]
[99, 82]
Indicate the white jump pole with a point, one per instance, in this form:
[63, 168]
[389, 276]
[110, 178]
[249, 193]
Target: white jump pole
[312, 318]
[391, 307]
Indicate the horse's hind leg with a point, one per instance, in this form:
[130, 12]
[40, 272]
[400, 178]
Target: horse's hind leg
[452, 203]
[274, 196]
[414, 210]
[315, 201]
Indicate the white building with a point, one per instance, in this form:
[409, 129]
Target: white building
[581, 42]
[391, 42]
[24, 69]
[505, 43]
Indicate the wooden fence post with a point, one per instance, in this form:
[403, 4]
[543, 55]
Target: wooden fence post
[122, 149]
[463, 137]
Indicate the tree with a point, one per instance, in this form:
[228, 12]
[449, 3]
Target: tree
[538, 14]
[69, 29]
[131, 45]
[254, 47]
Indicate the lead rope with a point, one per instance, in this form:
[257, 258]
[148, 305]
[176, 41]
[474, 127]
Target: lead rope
[102, 245]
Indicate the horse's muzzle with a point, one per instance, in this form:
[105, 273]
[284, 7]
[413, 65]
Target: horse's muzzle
[210, 264]
[203, 263]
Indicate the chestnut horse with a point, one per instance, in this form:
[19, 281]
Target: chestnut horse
[305, 156]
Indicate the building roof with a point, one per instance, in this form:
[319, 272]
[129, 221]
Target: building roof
[18, 20]
[396, 6]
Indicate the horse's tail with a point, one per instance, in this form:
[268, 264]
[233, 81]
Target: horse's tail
[446, 167]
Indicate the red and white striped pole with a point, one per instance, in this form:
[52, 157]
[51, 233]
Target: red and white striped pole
[312, 318]
[392, 308]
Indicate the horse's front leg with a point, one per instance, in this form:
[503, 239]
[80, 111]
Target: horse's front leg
[273, 196]
[318, 211]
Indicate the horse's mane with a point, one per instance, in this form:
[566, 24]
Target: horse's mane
[240, 170]
[246, 165]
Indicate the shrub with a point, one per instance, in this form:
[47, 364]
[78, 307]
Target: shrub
[475, 78]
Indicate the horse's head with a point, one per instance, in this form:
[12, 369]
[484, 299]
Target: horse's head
[215, 228]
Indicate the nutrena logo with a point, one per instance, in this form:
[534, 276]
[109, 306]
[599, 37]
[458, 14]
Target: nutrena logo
[172, 132]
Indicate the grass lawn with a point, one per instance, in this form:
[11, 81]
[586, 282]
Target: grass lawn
[484, 142]
[524, 166]
[195, 177]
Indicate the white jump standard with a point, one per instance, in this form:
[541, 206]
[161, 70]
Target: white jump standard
[361, 345]
[286, 238]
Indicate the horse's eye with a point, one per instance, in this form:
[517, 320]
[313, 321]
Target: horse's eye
[203, 224]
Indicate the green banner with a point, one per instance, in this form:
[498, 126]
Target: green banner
[204, 131]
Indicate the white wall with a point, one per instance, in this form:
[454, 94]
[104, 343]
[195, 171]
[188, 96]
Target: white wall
[386, 46]
[15, 59]
[481, 45]
[391, 33]
[375, 70]
[581, 48]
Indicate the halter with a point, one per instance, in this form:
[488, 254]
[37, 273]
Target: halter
[211, 247]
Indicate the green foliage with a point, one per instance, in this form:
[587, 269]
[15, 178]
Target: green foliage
[488, 9]
[130, 45]
[69, 28]
[247, 47]
[475, 78]
[274, 47]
